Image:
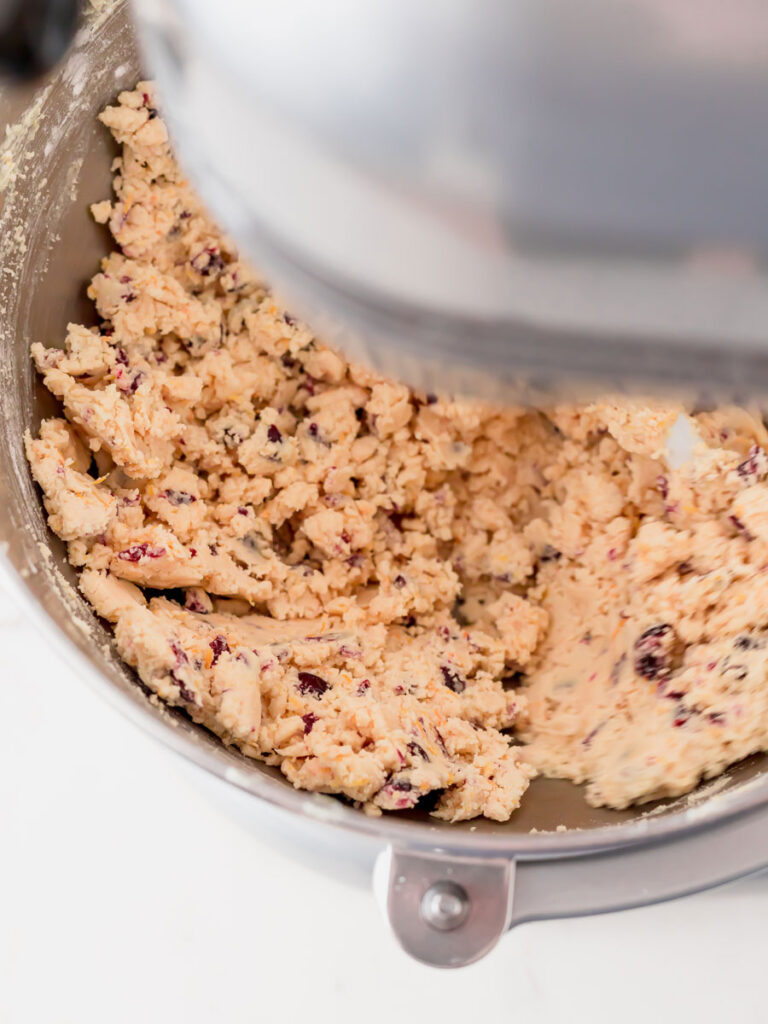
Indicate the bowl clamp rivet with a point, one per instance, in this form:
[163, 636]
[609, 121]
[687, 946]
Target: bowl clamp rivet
[446, 911]
[445, 906]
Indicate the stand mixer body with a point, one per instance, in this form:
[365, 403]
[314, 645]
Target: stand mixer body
[325, 222]
[486, 196]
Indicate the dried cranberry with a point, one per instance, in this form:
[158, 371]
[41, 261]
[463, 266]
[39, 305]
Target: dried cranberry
[398, 795]
[399, 582]
[657, 652]
[290, 320]
[417, 750]
[180, 654]
[192, 604]
[431, 399]
[184, 692]
[365, 685]
[219, 646]
[755, 466]
[662, 485]
[178, 498]
[139, 551]
[309, 721]
[313, 430]
[345, 651]
[309, 683]
[739, 525]
[121, 356]
[273, 434]
[745, 643]
[400, 786]
[452, 679]
[683, 715]
[207, 261]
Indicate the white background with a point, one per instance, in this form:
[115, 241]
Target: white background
[127, 896]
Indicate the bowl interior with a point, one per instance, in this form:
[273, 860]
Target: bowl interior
[55, 166]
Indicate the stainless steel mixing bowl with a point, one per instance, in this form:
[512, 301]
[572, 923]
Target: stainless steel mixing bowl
[450, 890]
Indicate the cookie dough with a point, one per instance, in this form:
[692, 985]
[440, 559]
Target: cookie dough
[399, 598]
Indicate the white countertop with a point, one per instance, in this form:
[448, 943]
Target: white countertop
[126, 896]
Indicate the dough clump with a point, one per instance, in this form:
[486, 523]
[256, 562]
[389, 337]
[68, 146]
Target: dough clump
[403, 599]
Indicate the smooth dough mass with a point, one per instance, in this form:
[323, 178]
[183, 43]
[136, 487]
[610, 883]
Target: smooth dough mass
[395, 597]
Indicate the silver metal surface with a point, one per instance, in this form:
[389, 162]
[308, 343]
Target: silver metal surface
[447, 911]
[445, 906]
[516, 194]
[50, 170]
[707, 853]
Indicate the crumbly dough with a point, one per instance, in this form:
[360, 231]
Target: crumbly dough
[395, 597]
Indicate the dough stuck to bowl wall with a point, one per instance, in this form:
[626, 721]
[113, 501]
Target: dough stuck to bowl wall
[405, 599]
